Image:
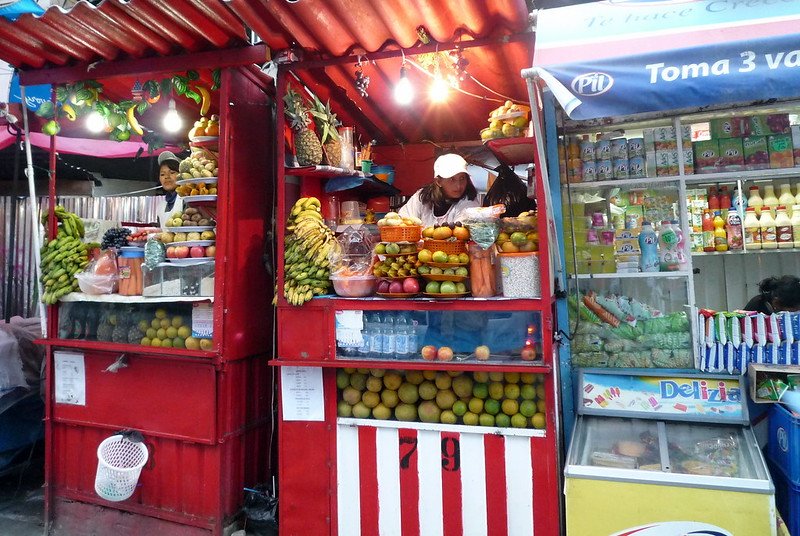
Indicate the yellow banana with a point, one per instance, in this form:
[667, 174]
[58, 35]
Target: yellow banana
[133, 122]
[69, 111]
[205, 103]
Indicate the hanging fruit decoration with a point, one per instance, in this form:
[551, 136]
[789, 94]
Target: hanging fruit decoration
[362, 82]
[122, 118]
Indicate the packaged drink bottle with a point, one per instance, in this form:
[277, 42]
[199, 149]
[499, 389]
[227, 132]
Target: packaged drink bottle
[787, 199]
[708, 231]
[648, 244]
[682, 260]
[713, 199]
[724, 201]
[720, 236]
[363, 349]
[413, 347]
[752, 229]
[401, 350]
[769, 234]
[668, 248]
[796, 225]
[739, 202]
[388, 337]
[375, 336]
[783, 227]
[754, 200]
[733, 228]
[770, 199]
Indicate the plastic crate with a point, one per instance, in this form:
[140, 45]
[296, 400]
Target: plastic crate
[787, 500]
[783, 447]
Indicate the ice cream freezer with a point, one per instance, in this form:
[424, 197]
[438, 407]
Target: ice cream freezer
[653, 455]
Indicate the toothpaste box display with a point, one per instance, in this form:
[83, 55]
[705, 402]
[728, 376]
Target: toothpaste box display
[731, 157]
[706, 156]
[729, 127]
[756, 155]
[780, 151]
[764, 125]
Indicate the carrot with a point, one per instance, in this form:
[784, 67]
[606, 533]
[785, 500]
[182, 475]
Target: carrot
[596, 308]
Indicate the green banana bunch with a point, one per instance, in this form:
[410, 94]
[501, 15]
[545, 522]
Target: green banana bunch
[63, 256]
[306, 248]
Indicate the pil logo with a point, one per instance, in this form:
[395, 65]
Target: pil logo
[592, 84]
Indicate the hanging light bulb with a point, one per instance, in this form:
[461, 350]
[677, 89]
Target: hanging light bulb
[403, 91]
[95, 122]
[440, 89]
[172, 121]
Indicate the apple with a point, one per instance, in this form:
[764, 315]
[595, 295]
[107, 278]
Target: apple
[197, 251]
[181, 252]
[410, 285]
[482, 353]
[528, 353]
[383, 287]
[211, 251]
[445, 353]
[396, 287]
[428, 352]
[171, 252]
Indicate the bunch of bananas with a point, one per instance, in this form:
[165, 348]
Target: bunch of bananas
[63, 256]
[307, 245]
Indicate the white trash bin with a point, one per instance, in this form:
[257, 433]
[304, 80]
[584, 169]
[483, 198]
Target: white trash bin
[119, 463]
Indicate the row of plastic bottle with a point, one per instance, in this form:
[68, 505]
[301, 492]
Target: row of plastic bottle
[388, 335]
[663, 251]
[723, 201]
[768, 232]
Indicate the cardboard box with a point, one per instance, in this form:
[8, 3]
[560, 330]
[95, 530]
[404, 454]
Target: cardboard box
[758, 372]
[649, 152]
[688, 157]
[667, 162]
[756, 155]
[729, 127]
[706, 156]
[764, 125]
[780, 151]
[731, 157]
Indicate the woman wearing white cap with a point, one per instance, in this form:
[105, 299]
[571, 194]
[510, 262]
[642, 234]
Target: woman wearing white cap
[444, 199]
[168, 165]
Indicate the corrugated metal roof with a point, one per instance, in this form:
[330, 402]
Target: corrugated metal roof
[134, 29]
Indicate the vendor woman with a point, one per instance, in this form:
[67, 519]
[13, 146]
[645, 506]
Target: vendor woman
[446, 198]
[776, 294]
[168, 177]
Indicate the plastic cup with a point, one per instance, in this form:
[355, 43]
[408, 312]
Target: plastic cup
[366, 166]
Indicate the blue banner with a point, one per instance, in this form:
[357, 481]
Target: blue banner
[34, 95]
[742, 71]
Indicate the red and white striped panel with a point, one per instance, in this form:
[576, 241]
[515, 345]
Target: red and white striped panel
[409, 482]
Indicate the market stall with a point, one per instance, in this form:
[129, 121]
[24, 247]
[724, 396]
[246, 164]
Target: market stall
[655, 153]
[158, 394]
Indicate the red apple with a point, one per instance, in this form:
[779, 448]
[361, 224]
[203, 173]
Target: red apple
[528, 353]
[383, 287]
[171, 252]
[197, 251]
[410, 284]
[395, 287]
[429, 353]
[181, 252]
[445, 353]
[482, 353]
[211, 251]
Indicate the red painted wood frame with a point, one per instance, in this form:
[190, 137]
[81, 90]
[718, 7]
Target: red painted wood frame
[307, 450]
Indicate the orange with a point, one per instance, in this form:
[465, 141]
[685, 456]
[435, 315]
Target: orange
[461, 233]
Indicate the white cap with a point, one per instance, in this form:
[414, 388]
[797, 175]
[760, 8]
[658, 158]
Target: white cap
[449, 165]
[167, 155]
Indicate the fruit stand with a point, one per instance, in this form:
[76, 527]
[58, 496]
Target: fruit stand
[454, 425]
[177, 355]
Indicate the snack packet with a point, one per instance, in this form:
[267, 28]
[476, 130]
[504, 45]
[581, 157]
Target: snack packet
[482, 223]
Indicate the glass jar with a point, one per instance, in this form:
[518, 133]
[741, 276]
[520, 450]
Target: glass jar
[346, 136]
[130, 271]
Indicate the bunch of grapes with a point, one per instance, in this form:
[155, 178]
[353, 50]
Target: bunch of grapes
[115, 238]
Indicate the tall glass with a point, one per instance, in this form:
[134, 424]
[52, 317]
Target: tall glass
[346, 135]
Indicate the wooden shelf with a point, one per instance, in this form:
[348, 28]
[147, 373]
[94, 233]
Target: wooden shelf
[126, 348]
[340, 180]
[705, 178]
[513, 151]
[452, 428]
[535, 367]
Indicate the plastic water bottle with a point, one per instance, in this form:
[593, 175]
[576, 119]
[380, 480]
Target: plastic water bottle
[363, 350]
[668, 248]
[401, 350]
[413, 348]
[375, 336]
[681, 252]
[388, 336]
[648, 243]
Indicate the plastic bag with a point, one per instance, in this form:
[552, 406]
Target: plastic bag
[155, 252]
[509, 190]
[100, 276]
[482, 223]
[353, 256]
[261, 509]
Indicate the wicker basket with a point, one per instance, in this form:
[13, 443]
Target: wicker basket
[451, 247]
[407, 233]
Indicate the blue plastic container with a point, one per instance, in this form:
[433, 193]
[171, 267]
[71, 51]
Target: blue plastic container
[384, 173]
[783, 447]
[787, 500]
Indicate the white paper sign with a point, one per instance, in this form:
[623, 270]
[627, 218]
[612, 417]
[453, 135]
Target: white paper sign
[301, 394]
[70, 378]
[202, 321]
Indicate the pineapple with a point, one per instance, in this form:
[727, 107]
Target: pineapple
[307, 147]
[326, 124]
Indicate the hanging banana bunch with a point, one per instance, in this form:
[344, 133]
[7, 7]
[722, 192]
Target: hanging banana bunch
[307, 246]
